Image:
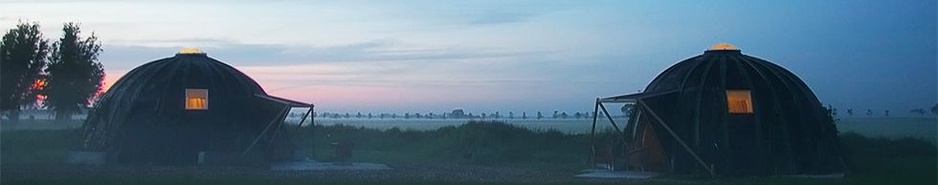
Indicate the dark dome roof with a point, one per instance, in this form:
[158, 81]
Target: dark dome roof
[143, 116]
[786, 131]
[193, 70]
[728, 69]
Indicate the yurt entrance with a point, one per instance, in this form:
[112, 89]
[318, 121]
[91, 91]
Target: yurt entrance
[636, 145]
[641, 144]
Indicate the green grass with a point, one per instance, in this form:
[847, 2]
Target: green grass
[479, 143]
[871, 160]
[290, 181]
[892, 127]
[35, 146]
[890, 161]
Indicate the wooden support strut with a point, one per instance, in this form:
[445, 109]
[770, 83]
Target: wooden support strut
[591, 159]
[258, 138]
[677, 138]
[300, 124]
[610, 118]
[312, 126]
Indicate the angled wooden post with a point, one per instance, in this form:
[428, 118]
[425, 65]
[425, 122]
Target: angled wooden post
[591, 159]
[610, 118]
[677, 138]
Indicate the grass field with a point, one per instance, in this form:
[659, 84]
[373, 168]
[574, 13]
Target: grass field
[894, 158]
[925, 128]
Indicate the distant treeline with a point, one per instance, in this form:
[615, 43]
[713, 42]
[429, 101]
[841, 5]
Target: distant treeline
[850, 112]
[460, 115]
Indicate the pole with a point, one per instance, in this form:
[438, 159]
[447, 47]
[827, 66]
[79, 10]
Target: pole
[590, 159]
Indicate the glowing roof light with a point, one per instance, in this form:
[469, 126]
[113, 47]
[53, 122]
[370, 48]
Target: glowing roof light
[722, 46]
[190, 51]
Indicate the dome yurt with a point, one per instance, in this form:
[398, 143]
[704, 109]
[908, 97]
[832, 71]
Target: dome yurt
[188, 109]
[725, 113]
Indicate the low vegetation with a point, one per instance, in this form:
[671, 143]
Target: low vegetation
[870, 160]
[476, 143]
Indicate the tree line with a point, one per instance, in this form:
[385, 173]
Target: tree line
[64, 76]
[447, 115]
[885, 112]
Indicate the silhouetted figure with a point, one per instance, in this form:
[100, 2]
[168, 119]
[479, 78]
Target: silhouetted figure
[887, 113]
[869, 113]
[850, 112]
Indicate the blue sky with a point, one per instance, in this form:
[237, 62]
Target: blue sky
[422, 56]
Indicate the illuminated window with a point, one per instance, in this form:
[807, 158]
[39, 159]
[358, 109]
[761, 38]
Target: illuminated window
[196, 99]
[739, 101]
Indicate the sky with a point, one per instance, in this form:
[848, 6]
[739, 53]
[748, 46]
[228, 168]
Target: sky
[511, 56]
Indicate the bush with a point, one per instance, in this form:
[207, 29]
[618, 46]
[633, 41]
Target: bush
[476, 142]
[857, 145]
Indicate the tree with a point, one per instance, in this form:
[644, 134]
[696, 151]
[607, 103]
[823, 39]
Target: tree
[74, 77]
[22, 56]
[627, 109]
[934, 109]
[834, 110]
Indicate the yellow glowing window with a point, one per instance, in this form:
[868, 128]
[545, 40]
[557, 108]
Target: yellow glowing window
[739, 101]
[196, 99]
